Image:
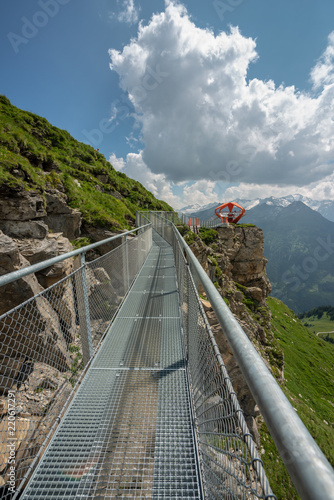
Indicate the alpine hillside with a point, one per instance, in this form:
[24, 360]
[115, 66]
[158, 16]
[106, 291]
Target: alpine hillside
[38, 157]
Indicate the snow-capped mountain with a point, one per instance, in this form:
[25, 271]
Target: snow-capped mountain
[196, 207]
[325, 207]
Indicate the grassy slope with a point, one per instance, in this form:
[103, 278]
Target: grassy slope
[309, 386]
[315, 325]
[35, 155]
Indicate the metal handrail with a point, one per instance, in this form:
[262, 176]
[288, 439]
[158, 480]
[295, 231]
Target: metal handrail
[308, 467]
[21, 273]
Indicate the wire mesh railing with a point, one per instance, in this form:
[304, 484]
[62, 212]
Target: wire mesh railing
[48, 341]
[191, 221]
[231, 467]
[222, 431]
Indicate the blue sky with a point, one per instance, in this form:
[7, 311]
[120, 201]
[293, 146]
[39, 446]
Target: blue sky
[193, 107]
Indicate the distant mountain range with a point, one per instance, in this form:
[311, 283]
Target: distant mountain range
[324, 207]
[299, 246]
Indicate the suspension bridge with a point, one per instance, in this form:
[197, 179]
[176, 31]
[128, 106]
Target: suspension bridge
[133, 399]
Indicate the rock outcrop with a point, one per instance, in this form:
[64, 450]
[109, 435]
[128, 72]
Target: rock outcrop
[25, 214]
[236, 264]
[35, 360]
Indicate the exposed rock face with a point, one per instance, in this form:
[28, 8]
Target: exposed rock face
[236, 262]
[244, 249]
[25, 229]
[20, 205]
[35, 361]
[35, 328]
[17, 292]
[39, 397]
[99, 234]
[60, 217]
[24, 214]
[52, 275]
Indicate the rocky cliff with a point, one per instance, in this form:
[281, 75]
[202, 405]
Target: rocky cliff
[33, 229]
[234, 260]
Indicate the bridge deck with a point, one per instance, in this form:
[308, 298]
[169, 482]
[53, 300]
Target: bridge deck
[128, 432]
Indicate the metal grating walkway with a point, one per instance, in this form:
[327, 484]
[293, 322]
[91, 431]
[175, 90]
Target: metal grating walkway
[128, 432]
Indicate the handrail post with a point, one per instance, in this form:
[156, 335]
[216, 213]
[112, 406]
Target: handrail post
[127, 262]
[83, 311]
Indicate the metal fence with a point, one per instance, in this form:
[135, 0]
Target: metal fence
[47, 342]
[191, 221]
[231, 467]
[220, 441]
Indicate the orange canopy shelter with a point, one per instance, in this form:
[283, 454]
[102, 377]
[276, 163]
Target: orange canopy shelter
[230, 212]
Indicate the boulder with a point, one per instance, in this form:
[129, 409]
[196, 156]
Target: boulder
[52, 275]
[25, 229]
[68, 224]
[63, 302]
[254, 293]
[33, 331]
[38, 251]
[103, 288]
[116, 195]
[56, 203]
[9, 370]
[19, 205]
[21, 290]
[99, 234]
[104, 178]
[9, 255]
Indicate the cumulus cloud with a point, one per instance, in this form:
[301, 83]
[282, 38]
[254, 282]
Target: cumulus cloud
[133, 166]
[129, 14]
[323, 190]
[201, 192]
[323, 72]
[202, 119]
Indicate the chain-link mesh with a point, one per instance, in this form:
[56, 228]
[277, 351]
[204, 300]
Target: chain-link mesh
[230, 464]
[47, 342]
[128, 432]
[45, 345]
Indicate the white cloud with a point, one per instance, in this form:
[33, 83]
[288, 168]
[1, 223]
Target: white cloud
[202, 120]
[323, 72]
[323, 190]
[134, 167]
[129, 14]
[201, 192]
[117, 163]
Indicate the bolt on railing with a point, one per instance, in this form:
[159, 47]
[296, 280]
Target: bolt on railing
[309, 469]
[48, 341]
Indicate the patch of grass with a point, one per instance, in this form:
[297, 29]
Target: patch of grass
[316, 325]
[309, 386]
[34, 155]
[241, 288]
[245, 225]
[280, 481]
[81, 242]
[189, 237]
[208, 235]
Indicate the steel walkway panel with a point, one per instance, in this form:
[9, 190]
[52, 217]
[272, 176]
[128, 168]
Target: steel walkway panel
[151, 305]
[128, 433]
[165, 273]
[142, 343]
[155, 284]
